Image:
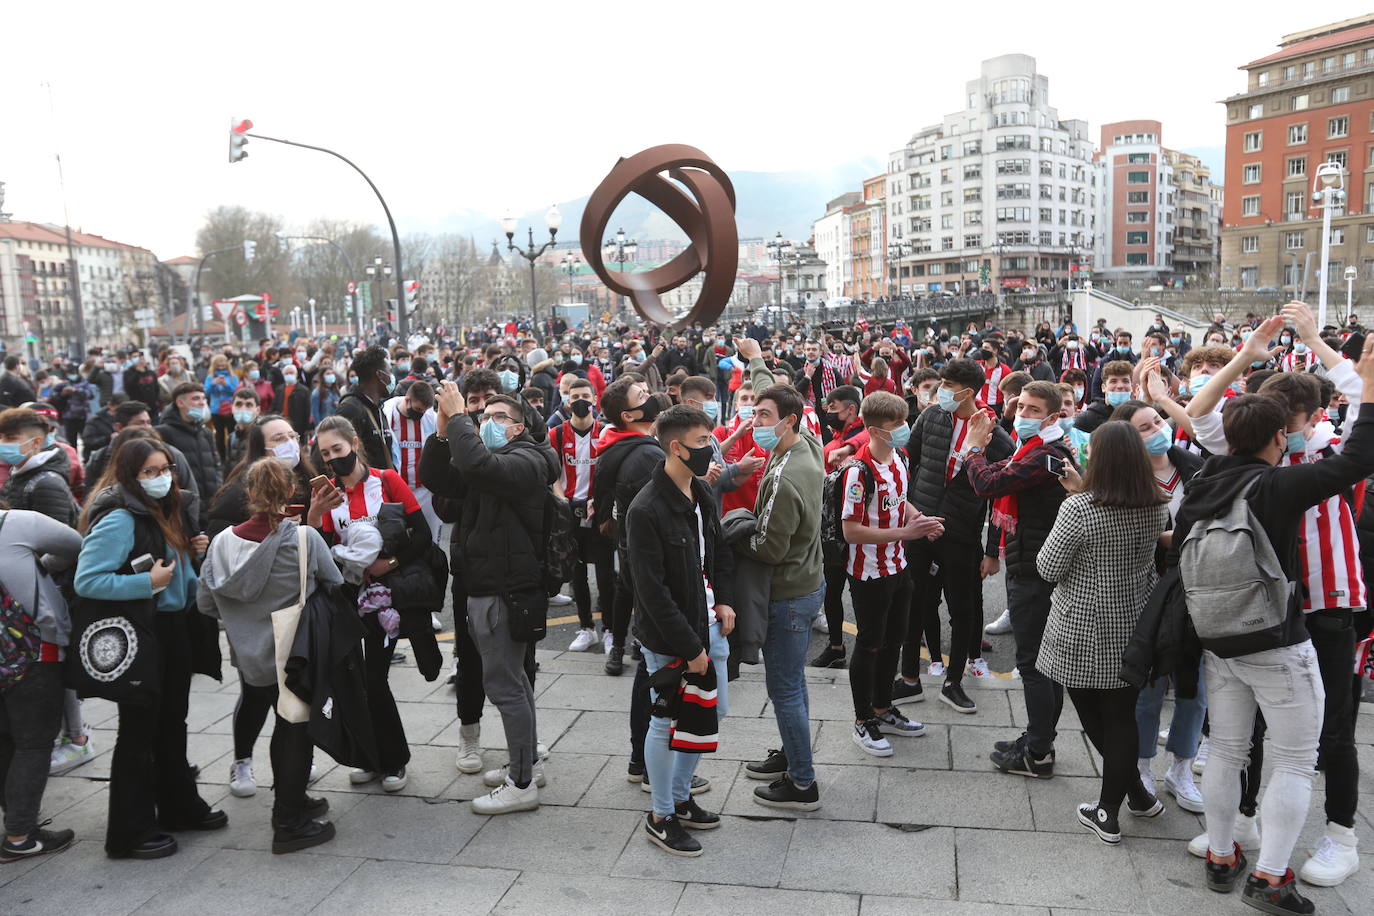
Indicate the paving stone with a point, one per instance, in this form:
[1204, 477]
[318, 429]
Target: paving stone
[99, 766]
[250, 820]
[962, 799]
[758, 901]
[855, 857]
[229, 878]
[1005, 866]
[580, 895]
[611, 789]
[1054, 802]
[416, 889]
[848, 793]
[212, 711]
[739, 851]
[569, 776]
[551, 724]
[62, 792]
[1068, 716]
[835, 744]
[971, 747]
[404, 829]
[901, 906]
[429, 772]
[830, 701]
[574, 841]
[993, 709]
[83, 879]
[423, 721]
[589, 691]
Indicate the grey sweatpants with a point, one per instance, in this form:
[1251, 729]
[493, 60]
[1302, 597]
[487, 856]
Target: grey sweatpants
[505, 681]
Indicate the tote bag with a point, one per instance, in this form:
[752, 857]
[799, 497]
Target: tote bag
[284, 622]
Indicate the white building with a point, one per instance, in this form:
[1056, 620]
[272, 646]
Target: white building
[1000, 194]
[831, 234]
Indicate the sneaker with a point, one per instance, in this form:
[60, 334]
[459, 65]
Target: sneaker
[1247, 835]
[307, 834]
[315, 809]
[39, 842]
[358, 776]
[394, 782]
[399, 658]
[1178, 782]
[869, 737]
[241, 782]
[68, 756]
[1200, 761]
[784, 794]
[912, 693]
[453, 675]
[669, 836]
[1019, 761]
[979, 668]
[1150, 806]
[953, 695]
[1147, 775]
[607, 641]
[635, 772]
[583, 641]
[1284, 899]
[1163, 737]
[1100, 822]
[1221, 877]
[937, 669]
[769, 768]
[819, 623]
[615, 661]
[1001, 625]
[830, 657]
[559, 600]
[1336, 858]
[699, 785]
[469, 748]
[693, 816]
[893, 722]
[1006, 746]
[636, 651]
[507, 798]
[495, 778]
[435, 623]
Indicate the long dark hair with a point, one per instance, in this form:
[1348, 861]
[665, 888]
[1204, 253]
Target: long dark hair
[128, 460]
[256, 447]
[1119, 472]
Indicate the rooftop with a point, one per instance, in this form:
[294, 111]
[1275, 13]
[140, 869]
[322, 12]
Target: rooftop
[47, 232]
[1334, 36]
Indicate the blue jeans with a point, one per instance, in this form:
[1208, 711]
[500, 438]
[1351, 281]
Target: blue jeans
[784, 651]
[1185, 729]
[670, 772]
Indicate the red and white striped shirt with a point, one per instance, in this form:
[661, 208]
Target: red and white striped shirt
[956, 448]
[882, 510]
[408, 437]
[1294, 361]
[364, 500]
[578, 453]
[813, 422]
[991, 394]
[1330, 550]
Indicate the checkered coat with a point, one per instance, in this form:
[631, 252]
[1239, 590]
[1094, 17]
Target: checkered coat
[1101, 559]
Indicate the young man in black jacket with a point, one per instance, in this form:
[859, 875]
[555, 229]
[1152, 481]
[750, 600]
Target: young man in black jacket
[506, 476]
[684, 584]
[183, 425]
[362, 406]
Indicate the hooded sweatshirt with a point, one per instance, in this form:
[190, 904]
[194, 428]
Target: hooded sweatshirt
[244, 580]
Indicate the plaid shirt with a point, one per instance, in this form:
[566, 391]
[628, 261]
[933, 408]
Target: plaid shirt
[1010, 475]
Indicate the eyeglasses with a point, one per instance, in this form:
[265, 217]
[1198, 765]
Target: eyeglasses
[154, 473]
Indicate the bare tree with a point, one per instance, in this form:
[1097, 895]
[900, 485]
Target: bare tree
[229, 273]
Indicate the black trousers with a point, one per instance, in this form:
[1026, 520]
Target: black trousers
[223, 425]
[1108, 718]
[880, 610]
[640, 704]
[622, 607]
[471, 696]
[151, 785]
[250, 715]
[393, 751]
[595, 550]
[950, 567]
[835, 578]
[1029, 599]
[291, 752]
[30, 715]
[1333, 636]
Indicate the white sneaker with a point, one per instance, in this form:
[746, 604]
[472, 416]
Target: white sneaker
[893, 722]
[1147, 775]
[870, 739]
[1163, 737]
[68, 756]
[1336, 858]
[435, 622]
[1001, 625]
[241, 782]
[583, 641]
[358, 776]
[559, 600]
[1178, 782]
[506, 798]
[607, 641]
[1247, 834]
[1200, 761]
[469, 748]
[394, 782]
[495, 778]
[819, 623]
[979, 668]
[314, 776]
[937, 669]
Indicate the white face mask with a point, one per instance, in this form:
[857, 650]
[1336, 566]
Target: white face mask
[288, 453]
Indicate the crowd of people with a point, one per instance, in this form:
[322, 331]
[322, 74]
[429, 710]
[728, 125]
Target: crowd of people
[1172, 516]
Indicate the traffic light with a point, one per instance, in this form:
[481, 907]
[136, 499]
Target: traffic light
[238, 138]
[412, 296]
[250, 248]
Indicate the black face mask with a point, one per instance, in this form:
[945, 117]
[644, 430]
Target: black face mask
[344, 465]
[648, 410]
[698, 460]
[832, 421]
[580, 409]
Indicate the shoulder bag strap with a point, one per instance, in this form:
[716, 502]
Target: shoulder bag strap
[302, 546]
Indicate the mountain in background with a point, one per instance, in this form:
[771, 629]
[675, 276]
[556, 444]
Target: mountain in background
[765, 202]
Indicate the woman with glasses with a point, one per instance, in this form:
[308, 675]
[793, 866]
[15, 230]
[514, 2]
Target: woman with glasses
[142, 512]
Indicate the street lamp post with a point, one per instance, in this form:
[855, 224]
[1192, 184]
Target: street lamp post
[348, 262]
[375, 271]
[896, 251]
[1350, 274]
[782, 250]
[570, 263]
[621, 251]
[1329, 191]
[553, 219]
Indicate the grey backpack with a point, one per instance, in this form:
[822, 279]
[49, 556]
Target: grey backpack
[1238, 595]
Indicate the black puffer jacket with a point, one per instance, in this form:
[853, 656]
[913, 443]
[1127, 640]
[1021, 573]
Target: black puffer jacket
[624, 469]
[954, 500]
[40, 485]
[193, 440]
[503, 509]
[367, 422]
[1093, 416]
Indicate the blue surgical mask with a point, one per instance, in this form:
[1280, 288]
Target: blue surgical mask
[1078, 395]
[198, 414]
[243, 417]
[508, 379]
[159, 486]
[712, 409]
[1123, 349]
[746, 412]
[766, 437]
[944, 399]
[254, 374]
[1297, 443]
[330, 378]
[1066, 423]
[1197, 382]
[900, 436]
[352, 381]
[1117, 398]
[390, 383]
[1300, 347]
[1026, 427]
[493, 434]
[12, 453]
[1176, 340]
[576, 359]
[1159, 442]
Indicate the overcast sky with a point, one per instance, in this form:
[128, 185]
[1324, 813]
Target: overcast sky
[489, 106]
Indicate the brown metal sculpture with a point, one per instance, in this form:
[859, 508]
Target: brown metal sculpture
[707, 216]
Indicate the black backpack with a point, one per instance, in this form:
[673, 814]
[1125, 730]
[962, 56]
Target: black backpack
[834, 547]
[559, 542]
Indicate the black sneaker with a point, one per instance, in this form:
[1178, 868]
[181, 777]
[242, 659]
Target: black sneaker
[785, 794]
[901, 690]
[699, 784]
[830, 657]
[1100, 822]
[669, 836]
[1020, 761]
[40, 842]
[306, 834]
[953, 695]
[615, 661]
[1222, 878]
[1004, 747]
[692, 815]
[1148, 806]
[315, 808]
[635, 772]
[399, 658]
[1281, 900]
[769, 768]
[636, 651]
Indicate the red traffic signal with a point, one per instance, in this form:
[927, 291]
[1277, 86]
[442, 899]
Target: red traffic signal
[238, 138]
[242, 127]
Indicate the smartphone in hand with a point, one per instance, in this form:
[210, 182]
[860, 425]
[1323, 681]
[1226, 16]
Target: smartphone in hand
[1055, 465]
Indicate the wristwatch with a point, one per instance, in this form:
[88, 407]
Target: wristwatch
[974, 450]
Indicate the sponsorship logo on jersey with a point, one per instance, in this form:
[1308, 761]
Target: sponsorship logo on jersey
[856, 492]
[581, 462]
[892, 501]
[409, 443]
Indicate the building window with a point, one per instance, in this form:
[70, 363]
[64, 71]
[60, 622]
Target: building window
[1249, 277]
[1014, 141]
[1250, 173]
[1137, 197]
[1369, 233]
[1293, 239]
[1138, 159]
[973, 241]
[1137, 216]
[1297, 133]
[1137, 238]
[1337, 235]
[973, 218]
[1340, 158]
[947, 221]
[1013, 214]
[1013, 167]
[1253, 141]
[1264, 78]
[1348, 59]
[1256, 111]
[1297, 167]
[1328, 64]
[973, 195]
[973, 147]
[1250, 206]
[973, 171]
[1137, 177]
[1340, 94]
[1300, 102]
[1047, 214]
[1294, 204]
[946, 198]
[1249, 244]
[1337, 127]
[1290, 72]
[1309, 70]
[947, 243]
[1368, 56]
[1368, 273]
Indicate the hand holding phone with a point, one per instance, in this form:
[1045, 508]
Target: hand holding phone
[1055, 465]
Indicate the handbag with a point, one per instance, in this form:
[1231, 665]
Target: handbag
[527, 614]
[113, 651]
[284, 622]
